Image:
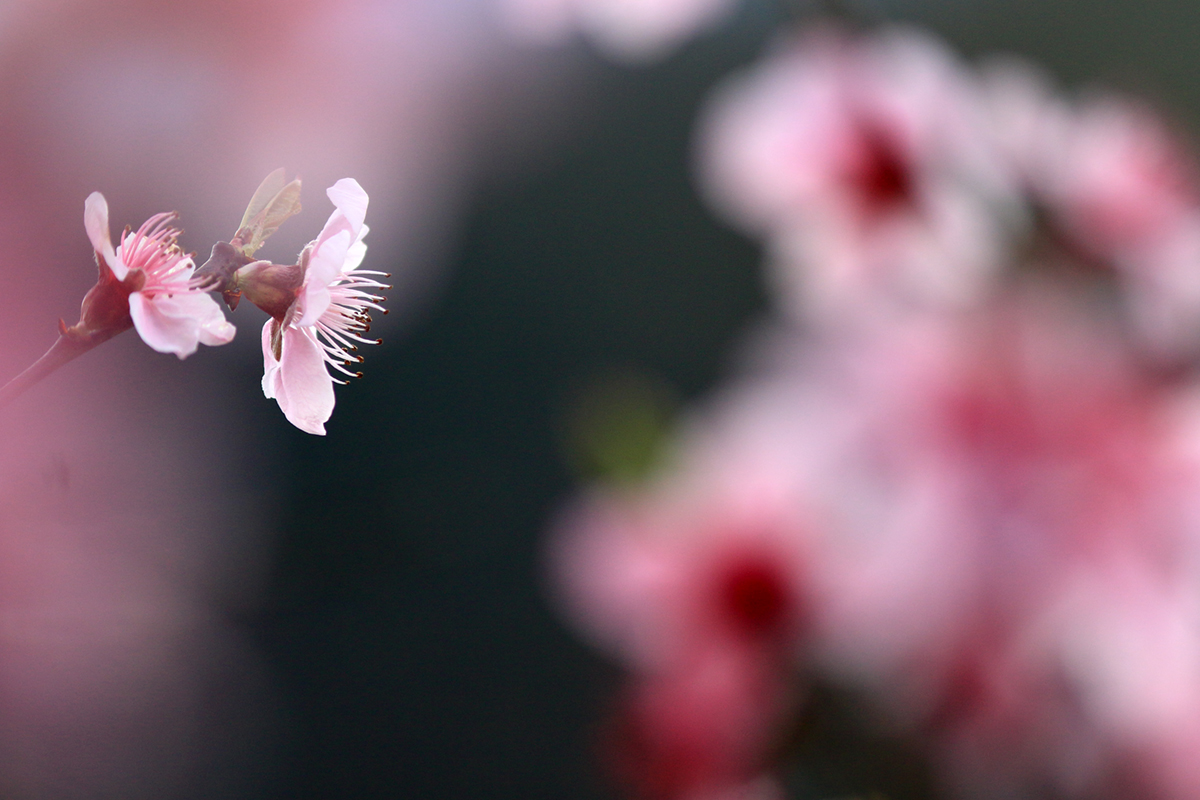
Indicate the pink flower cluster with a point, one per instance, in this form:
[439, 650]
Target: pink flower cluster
[883, 175]
[963, 479]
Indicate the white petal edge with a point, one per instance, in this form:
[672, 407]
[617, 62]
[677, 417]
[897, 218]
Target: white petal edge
[350, 199]
[270, 365]
[95, 222]
[357, 252]
[329, 254]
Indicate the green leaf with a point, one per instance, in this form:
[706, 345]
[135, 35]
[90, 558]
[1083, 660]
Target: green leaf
[274, 202]
[620, 428]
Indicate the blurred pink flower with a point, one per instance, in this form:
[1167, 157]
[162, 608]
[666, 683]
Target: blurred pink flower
[1005, 459]
[985, 523]
[170, 314]
[704, 598]
[701, 731]
[1118, 179]
[863, 163]
[323, 322]
[1127, 191]
[630, 30]
[1117, 184]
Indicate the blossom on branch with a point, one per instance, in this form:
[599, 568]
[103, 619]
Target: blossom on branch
[319, 308]
[170, 313]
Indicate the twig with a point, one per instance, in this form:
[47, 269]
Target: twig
[68, 347]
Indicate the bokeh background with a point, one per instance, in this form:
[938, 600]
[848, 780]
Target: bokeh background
[198, 600]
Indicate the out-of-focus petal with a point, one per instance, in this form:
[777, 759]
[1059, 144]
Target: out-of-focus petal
[95, 221]
[864, 164]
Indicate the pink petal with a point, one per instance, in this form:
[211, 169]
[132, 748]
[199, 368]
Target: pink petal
[95, 221]
[178, 323]
[335, 247]
[329, 259]
[315, 301]
[214, 328]
[351, 200]
[168, 324]
[329, 253]
[357, 251]
[303, 387]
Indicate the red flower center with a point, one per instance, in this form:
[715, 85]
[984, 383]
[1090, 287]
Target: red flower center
[755, 597]
[881, 176]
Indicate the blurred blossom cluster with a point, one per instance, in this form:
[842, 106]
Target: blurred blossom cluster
[960, 479]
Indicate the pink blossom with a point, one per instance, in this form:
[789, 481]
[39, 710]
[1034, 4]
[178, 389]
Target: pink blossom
[1120, 179]
[702, 730]
[1117, 184]
[863, 163]
[170, 314]
[630, 30]
[1127, 191]
[704, 597]
[986, 524]
[988, 466]
[326, 306]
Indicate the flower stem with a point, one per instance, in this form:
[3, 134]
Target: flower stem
[65, 349]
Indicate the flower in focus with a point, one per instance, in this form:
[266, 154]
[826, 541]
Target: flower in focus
[319, 308]
[862, 162]
[630, 30]
[170, 313]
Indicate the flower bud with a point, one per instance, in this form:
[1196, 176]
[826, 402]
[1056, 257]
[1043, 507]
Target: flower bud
[271, 287]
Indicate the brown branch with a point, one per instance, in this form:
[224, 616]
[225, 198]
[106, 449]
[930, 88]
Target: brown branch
[69, 346]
